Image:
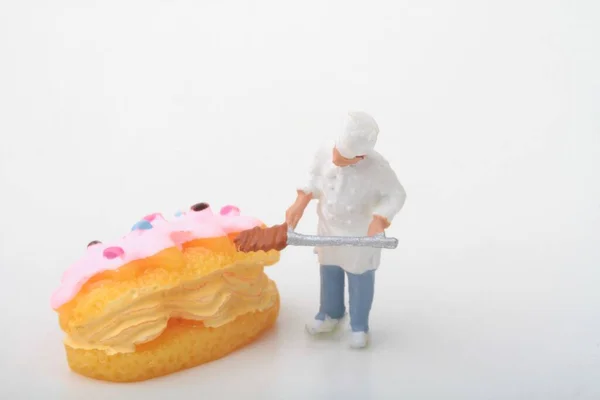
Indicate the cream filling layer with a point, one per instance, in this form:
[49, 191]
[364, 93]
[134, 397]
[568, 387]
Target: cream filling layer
[214, 300]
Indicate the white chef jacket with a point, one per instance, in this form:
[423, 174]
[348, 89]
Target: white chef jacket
[348, 197]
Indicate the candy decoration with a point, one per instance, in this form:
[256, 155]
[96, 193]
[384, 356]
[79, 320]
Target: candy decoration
[152, 217]
[113, 252]
[142, 225]
[230, 210]
[199, 206]
[93, 242]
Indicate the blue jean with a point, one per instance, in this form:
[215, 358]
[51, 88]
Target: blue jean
[361, 288]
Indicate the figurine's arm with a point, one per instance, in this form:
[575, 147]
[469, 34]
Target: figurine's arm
[308, 190]
[305, 193]
[392, 196]
[296, 210]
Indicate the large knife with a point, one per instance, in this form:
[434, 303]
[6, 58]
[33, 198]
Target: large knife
[279, 237]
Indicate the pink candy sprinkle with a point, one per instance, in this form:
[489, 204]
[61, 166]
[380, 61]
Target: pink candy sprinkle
[230, 210]
[113, 252]
[152, 217]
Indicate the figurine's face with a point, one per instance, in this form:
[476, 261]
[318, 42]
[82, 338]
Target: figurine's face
[342, 161]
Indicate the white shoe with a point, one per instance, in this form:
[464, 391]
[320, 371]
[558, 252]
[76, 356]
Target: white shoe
[359, 340]
[317, 326]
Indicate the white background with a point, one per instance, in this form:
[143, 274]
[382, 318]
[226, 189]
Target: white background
[489, 112]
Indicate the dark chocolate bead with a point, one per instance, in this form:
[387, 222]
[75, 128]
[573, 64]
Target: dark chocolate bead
[200, 206]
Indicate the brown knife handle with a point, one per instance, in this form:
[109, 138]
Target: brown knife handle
[262, 239]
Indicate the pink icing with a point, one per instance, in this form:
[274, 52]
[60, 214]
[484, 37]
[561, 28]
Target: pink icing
[141, 244]
[181, 237]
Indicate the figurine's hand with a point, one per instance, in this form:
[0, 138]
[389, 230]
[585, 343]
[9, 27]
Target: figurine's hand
[377, 226]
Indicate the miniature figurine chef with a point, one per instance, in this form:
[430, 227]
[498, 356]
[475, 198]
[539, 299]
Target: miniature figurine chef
[358, 194]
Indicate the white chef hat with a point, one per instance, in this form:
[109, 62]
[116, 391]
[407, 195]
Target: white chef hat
[358, 136]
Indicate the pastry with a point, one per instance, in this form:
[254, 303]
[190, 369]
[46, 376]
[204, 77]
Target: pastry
[173, 293]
